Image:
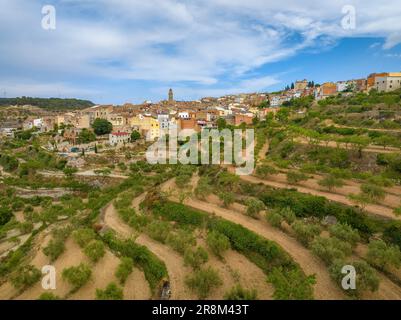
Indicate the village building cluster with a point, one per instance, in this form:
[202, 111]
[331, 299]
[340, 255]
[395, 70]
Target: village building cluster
[152, 120]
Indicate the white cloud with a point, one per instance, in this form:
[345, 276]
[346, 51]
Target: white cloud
[259, 84]
[204, 43]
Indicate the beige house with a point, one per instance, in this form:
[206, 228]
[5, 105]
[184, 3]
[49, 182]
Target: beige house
[98, 112]
[82, 121]
[388, 82]
[301, 85]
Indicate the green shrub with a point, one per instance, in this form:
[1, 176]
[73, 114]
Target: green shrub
[383, 255]
[305, 232]
[291, 284]
[95, 250]
[56, 245]
[48, 296]
[181, 240]
[331, 182]
[305, 205]
[203, 188]
[77, 276]
[373, 192]
[158, 230]
[15, 258]
[54, 249]
[274, 218]
[17, 205]
[264, 253]
[5, 215]
[254, 206]
[26, 277]
[195, 258]
[380, 181]
[9, 163]
[179, 213]
[345, 232]
[83, 236]
[154, 269]
[264, 171]
[25, 227]
[294, 177]
[227, 198]
[239, 293]
[330, 249]
[112, 292]
[124, 269]
[392, 233]
[288, 215]
[203, 281]
[218, 243]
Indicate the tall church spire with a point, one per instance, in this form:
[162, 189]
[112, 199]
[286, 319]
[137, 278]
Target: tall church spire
[170, 95]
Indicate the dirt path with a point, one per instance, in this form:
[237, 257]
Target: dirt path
[325, 288]
[136, 286]
[264, 150]
[334, 144]
[175, 267]
[394, 191]
[374, 209]
[87, 173]
[174, 262]
[388, 290]
[370, 129]
[237, 269]
[391, 201]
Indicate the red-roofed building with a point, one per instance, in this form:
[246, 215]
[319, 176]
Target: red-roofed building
[116, 138]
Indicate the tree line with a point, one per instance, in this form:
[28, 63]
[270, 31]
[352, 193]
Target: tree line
[48, 103]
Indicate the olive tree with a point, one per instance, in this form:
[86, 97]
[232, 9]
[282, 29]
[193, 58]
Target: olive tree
[383, 255]
[218, 243]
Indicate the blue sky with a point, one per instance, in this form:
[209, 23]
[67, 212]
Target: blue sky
[116, 51]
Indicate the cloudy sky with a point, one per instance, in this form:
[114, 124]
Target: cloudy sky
[116, 51]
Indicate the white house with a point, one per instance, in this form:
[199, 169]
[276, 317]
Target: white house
[184, 115]
[275, 101]
[342, 86]
[165, 123]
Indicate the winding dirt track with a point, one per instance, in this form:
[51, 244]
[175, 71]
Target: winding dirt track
[340, 194]
[174, 262]
[374, 209]
[263, 151]
[333, 144]
[325, 288]
[393, 194]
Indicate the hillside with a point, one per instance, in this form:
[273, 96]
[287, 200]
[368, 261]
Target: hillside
[49, 104]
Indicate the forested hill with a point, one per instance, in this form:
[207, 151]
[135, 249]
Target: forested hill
[51, 104]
